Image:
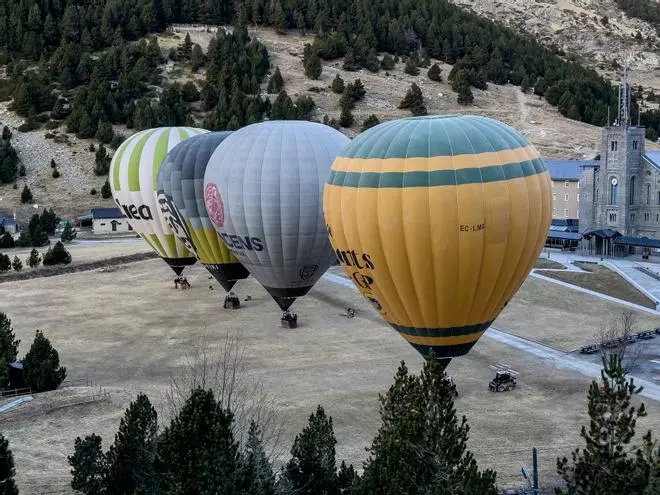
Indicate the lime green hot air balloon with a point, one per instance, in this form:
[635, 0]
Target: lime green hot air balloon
[438, 221]
[133, 173]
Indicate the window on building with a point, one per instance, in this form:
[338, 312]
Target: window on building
[612, 217]
[566, 212]
[631, 197]
[657, 217]
[646, 217]
[565, 183]
[566, 197]
[634, 145]
[554, 196]
[614, 189]
[577, 198]
[578, 184]
[614, 145]
[632, 217]
[648, 194]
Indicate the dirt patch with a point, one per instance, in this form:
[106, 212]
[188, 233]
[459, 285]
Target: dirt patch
[605, 281]
[548, 264]
[52, 271]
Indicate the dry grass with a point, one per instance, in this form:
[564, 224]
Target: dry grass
[545, 263]
[129, 329]
[605, 281]
[560, 317]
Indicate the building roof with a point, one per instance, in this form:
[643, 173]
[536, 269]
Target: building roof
[653, 157]
[102, 213]
[567, 169]
[6, 220]
[570, 236]
[637, 241]
[607, 233]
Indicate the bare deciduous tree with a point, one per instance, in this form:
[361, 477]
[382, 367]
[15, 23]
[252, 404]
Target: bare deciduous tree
[617, 336]
[223, 370]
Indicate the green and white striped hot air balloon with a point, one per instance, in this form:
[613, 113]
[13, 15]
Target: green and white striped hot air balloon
[133, 176]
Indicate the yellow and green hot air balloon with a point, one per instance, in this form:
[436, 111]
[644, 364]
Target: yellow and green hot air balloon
[133, 174]
[181, 199]
[437, 221]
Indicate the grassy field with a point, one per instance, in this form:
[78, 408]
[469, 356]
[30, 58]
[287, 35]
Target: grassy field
[129, 329]
[560, 317]
[602, 279]
[548, 264]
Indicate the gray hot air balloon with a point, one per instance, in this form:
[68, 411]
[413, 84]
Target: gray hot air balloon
[263, 190]
[180, 193]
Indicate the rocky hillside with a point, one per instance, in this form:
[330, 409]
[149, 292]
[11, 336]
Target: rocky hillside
[554, 135]
[597, 32]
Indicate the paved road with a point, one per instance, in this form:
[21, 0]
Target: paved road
[555, 358]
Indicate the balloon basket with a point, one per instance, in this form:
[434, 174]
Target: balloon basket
[232, 301]
[289, 320]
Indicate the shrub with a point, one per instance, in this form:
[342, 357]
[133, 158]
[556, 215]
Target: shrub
[5, 263]
[7, 241]
[92, 192]
[34, 259]
[56, 174]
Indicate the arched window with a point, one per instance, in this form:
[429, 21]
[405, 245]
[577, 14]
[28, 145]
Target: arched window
[648, 194]
[614, 189]
[632, 191]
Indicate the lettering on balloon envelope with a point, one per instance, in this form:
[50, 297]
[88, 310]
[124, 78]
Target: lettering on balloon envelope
[175, 222]
[354, 264]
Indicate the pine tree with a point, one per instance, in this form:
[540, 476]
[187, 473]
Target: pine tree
[197, 58]
[7, 471]
[337, 85]
[7, 241]
[6, 133]
[104, 132]
[57, 255]
[186, 47]
[434, 73]
[525, 84]
[26, 195]
[609, 464]
[346, 117]
[87, 127]
[56, 173]
[370, 122]
[189, 92]
[106, 192]
[412, 66]
[5, 263]
[275, 83]
[21, 170]
[89, 468]
[257, 471]
[101, 161]
[312, 63]
[312, 469]
[17, 265]
[202, 431]
[41, 365]
[131, 456]
[350, 62]
[52, 163]
[421, 447]
[69, 233]
[387, 63]
[414, 101]
[34, 259]
[8, 344]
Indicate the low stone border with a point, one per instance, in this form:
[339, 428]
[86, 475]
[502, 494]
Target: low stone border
[28, 273]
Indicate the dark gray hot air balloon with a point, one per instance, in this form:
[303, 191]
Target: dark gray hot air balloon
[180, 194]
[263, 190]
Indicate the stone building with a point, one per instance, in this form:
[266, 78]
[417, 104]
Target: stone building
[620, 194]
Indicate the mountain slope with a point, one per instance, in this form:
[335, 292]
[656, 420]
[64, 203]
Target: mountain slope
[554, 135]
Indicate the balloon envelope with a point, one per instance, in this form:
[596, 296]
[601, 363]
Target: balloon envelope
[438, 221]
[133, 172]
[263, 191]
[180, 195]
